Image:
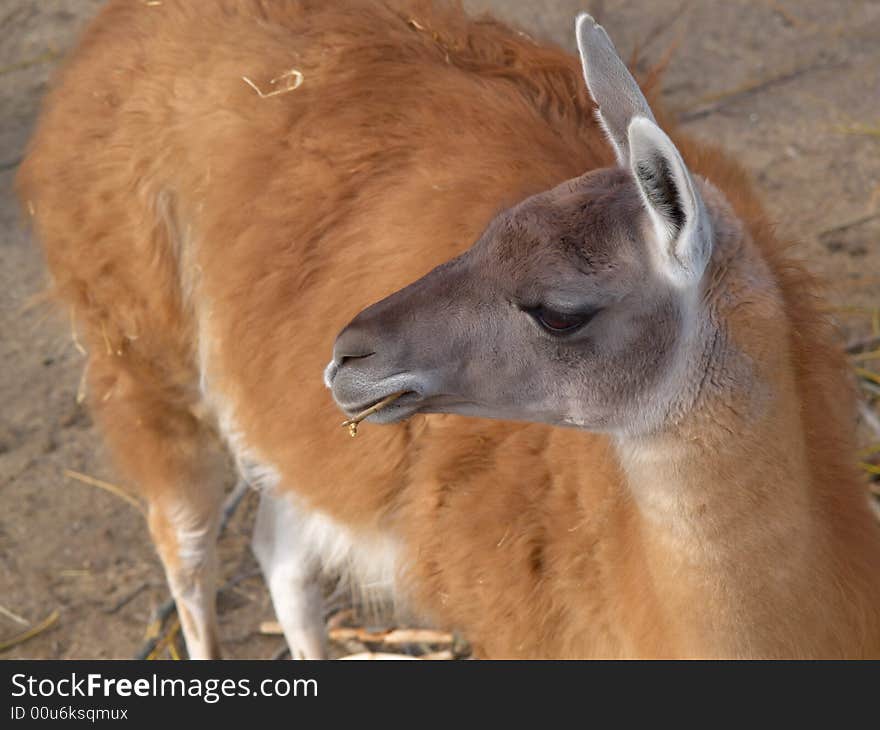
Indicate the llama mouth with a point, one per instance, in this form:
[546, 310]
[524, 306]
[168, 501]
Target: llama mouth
[389, 409]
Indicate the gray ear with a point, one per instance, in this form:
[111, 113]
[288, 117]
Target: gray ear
[682, 227]
[615, 91]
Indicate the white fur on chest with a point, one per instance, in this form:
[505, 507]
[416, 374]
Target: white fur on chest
[367, 560]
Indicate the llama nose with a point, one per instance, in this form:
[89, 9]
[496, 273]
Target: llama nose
[330, 373]
[352, 344]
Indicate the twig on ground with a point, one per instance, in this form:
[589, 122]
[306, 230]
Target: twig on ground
[869, 451]
[14, 616]
[860, 130]
[125, 600]
[863, 343]
[166, 640]
[865, 356]
[868, 375]
[107, 487]
[30, 633]
[648, 39]
[716, 102]
[439, 656]
[366, 636]
[393, 637]
[46, 56]
[848, 224]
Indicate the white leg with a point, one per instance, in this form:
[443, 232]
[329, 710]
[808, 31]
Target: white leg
[185, 533]
[291, 568]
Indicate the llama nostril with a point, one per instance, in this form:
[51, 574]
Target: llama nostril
[345, 358]
[353, 343]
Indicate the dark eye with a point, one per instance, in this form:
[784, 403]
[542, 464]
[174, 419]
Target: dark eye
[560, 322]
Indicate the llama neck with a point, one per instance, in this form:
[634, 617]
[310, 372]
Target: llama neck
[729, 523]
[731, 447]
[722, 473]
[727, 529]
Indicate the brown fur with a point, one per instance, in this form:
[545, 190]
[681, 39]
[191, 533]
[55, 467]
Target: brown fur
[163, 187]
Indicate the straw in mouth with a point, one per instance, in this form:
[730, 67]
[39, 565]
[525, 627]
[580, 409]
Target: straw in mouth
[353, 422]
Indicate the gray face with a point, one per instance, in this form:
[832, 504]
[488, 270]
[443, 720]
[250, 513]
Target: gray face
[571, 309]
[554, 315]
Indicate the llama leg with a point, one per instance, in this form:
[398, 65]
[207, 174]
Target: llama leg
[179, 468]
[292, 572]
[184, 530]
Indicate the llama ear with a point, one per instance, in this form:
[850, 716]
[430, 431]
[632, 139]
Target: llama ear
[616, 93]
[681, 225]
[683, 231]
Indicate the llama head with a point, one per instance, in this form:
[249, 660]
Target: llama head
[573, 308]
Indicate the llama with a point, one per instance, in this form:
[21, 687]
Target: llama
[625, 428]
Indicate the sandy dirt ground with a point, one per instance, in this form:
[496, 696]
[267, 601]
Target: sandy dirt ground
[790, 87]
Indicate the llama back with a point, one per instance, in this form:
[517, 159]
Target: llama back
[163, 173]
[94, 187]
[221, 234]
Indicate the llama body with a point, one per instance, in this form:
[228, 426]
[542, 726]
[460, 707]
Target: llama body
[211, 243]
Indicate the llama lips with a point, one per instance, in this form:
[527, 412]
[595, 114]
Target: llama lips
[353, 422]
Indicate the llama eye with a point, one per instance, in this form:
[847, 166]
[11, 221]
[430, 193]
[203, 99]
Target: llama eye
[560, 322]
